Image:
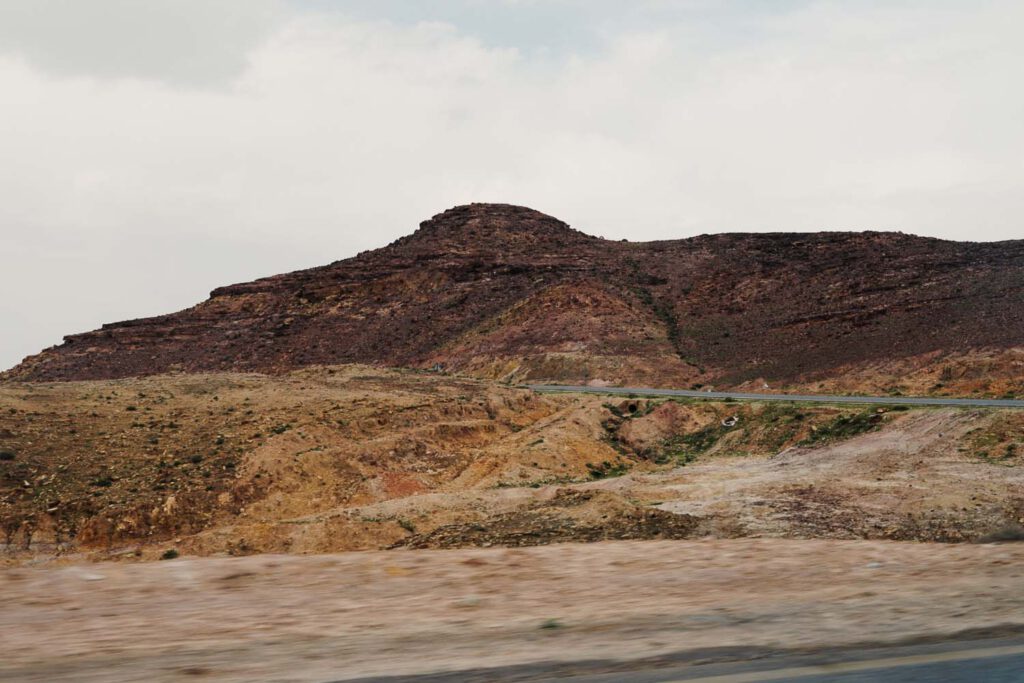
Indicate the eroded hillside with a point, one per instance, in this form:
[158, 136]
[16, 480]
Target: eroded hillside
[352, 457]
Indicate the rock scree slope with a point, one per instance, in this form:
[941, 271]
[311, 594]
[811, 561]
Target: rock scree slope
[506, 292]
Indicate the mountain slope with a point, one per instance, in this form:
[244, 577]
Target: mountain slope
[500, 290]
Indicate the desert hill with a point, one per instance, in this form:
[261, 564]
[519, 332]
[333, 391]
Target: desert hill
[505, 292]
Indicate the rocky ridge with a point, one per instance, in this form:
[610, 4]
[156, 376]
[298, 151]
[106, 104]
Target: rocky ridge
[506, 292]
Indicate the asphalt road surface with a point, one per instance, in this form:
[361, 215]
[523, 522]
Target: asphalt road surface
[986, 661]
[994, 664]
[802, 398]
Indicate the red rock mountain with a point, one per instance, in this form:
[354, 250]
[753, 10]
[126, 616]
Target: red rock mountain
[505, 291]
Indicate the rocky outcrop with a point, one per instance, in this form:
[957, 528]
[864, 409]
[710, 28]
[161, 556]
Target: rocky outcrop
[501, 290]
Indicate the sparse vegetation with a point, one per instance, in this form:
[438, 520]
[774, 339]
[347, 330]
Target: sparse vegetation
[107, 486]
[606, 469]
[537, 483]
[699, 441]
[844, 427]
[1008, 533]
[1001, 441]
[169, 554]
[614, 410]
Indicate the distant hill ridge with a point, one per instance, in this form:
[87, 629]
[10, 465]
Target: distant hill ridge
[504, 291]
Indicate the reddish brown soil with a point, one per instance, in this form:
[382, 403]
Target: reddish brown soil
[350, 457]
[507, 292]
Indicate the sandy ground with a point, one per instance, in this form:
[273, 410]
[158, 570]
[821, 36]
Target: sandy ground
[907, 481]
[330, 617]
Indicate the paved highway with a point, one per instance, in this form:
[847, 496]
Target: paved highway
[950, 663]
[1001, 664]
[802, 398]
[991, 661]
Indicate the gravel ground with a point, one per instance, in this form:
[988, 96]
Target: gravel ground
[314, 618]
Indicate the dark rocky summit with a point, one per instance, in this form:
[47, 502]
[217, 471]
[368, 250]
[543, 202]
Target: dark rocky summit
[505, 291]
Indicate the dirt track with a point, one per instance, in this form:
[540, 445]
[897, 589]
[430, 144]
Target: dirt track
[293, 618]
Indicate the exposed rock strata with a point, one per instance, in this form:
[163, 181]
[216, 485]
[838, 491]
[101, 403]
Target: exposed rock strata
[505, 291]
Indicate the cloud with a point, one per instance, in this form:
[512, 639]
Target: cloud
[133, 187]
[187, 42]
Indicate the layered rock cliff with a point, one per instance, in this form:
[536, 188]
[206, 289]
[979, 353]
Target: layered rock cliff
[505, 291]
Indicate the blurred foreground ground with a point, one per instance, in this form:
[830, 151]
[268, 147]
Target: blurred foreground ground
[333, 617]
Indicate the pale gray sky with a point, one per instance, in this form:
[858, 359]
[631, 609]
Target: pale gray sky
[155, 149]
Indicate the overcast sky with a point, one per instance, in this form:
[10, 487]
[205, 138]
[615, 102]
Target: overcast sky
[151, 150]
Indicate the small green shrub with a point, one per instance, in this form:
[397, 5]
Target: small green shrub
[607, 469]
[702, 439]
[844, 427]
[613, 409]
[169, 554]
[1010, 533]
